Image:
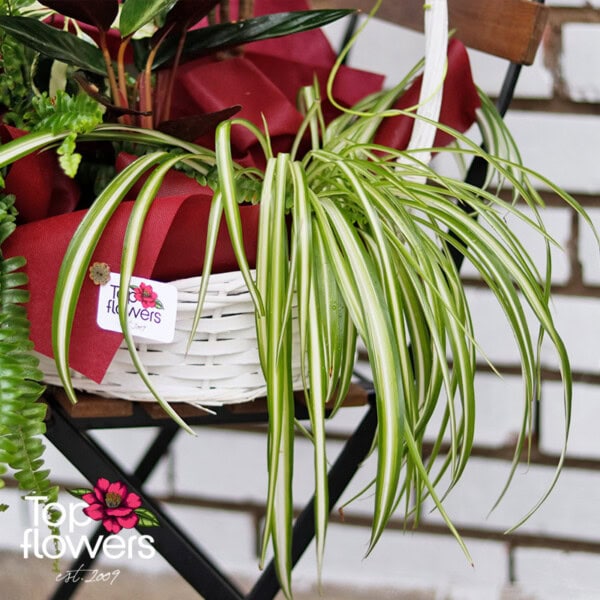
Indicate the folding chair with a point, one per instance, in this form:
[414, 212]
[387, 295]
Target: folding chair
[510, 29]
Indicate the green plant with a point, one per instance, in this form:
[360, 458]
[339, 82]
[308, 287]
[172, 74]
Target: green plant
[160, 35]
[21, 416]
[364, 237]
[16, 82]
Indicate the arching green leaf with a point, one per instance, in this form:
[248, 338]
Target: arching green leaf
[55, 43]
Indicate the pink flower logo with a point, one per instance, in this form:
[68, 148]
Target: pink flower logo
[144, 294]
[115, 506]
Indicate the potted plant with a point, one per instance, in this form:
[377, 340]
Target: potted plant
[354, 234]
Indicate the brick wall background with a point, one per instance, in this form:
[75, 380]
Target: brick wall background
[216, 482]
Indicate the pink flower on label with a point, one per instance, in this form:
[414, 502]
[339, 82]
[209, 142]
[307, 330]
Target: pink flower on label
[146, 295]
[112, 504]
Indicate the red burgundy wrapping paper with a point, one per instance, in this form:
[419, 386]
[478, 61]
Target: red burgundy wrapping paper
[265, 80]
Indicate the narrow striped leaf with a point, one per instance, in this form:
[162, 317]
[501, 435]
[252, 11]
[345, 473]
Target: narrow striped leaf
[77, 257]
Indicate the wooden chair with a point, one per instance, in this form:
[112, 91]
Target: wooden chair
[510, 29]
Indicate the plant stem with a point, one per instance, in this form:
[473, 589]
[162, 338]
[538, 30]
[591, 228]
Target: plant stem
[145, 85]
[224, 11]
[126, 119]
[165, 113]
[114, 89]
[246, 9]
[147, 121]
[212, 17]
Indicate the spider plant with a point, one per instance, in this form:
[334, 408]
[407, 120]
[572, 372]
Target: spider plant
[364, 238]
[369, 256]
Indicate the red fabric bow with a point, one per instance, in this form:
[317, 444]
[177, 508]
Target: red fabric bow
[264, 80]
[40, 186]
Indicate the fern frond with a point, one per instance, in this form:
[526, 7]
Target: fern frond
[21, 415]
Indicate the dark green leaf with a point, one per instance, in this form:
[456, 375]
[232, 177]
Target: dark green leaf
[12, 264]
[207, 40]
[191, 128]
[56, 44]
[13, 279]
[17, 296]
[136, 13]
[5, 230]
[187, 13]
[99, 13]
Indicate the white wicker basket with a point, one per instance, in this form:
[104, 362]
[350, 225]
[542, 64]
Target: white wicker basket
[221, 367]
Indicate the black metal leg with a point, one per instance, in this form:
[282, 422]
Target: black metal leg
[340, 475]
[168, 539]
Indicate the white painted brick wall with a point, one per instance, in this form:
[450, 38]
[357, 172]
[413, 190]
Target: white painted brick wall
[127, 446]
[568, 3]
[499, 408]
[557, 222]
[14, 521]
[581, 61]
[228, 536]
[232, 466]
[488, 71]
[404, 560]
[470, 502]
[558, 575]
[577, 320]
[561, 147]
[397, 49]
[586, 416]
[588, 249]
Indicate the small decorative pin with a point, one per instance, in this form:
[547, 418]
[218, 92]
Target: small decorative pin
[100, 273]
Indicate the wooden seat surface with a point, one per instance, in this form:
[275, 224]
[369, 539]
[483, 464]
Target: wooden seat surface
[90, 406]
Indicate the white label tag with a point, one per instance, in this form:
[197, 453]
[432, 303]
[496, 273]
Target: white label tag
[152, 308]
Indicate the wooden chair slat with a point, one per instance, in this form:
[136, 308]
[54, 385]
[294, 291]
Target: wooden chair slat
[511, 29]
[90, 406]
